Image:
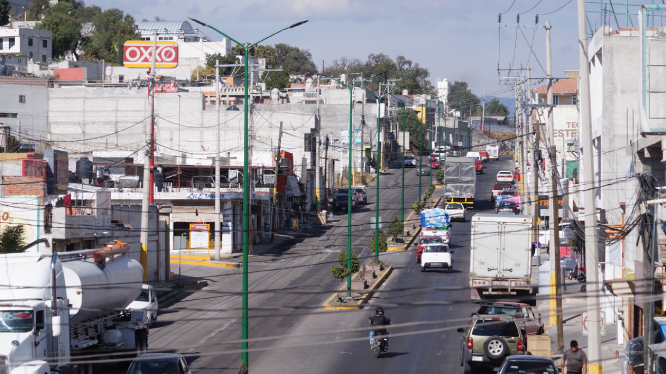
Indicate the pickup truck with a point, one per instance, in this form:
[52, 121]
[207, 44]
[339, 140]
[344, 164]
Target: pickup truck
[436, 255]
[499, 187]
[435, 222]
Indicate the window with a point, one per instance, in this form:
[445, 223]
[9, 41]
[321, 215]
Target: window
[39, 320]
[43, 58]
[2, 46]
[29, 42]
[574, 100]
[121, 78]
[45, 44]
[556, 100]
[165, 38]
[12, 42]
[21, 98]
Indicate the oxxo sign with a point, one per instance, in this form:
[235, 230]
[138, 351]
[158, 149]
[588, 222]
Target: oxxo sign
[138, 53]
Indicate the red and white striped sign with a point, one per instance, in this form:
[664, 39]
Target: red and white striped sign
[137, 54]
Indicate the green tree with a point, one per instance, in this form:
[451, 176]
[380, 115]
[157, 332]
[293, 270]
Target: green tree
[418, 132]
[224, 60]
[495, 108]
[395, 228]
[37, 9]
[276, 79]
[11, 239]
[112, 29]
[88, 14]
[65, 28]
[462, 98]
[4, 12]
[342, 270]
[293, 59]
[383, 244]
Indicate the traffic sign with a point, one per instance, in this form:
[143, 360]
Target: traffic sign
[602, 316]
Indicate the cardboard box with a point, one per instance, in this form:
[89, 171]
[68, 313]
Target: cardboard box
[539, 345]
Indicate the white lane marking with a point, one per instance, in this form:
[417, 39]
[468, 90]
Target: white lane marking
[345, 353]
[444, 336]
[440, 352]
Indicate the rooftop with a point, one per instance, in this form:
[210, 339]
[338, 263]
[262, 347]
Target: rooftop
[561, 87]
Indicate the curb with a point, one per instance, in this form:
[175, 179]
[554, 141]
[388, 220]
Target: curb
[416, 233]
[358, 304]
[207, 263]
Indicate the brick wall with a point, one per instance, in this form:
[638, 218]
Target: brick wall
[22, 186]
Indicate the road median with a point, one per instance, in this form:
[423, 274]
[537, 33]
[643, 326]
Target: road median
[365, 295]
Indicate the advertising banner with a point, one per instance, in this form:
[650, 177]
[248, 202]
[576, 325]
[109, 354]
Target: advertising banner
[138, 53]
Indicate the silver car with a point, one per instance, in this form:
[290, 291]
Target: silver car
[410, 161]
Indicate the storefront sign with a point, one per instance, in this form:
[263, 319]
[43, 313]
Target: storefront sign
[199, 237]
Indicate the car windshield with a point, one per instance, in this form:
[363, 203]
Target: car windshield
[149, 366]
[431, 241]
[360, 191]
[529, 367]
[341, 197]
[507, 193]
[143, 296]
[454, 206]
[409, 157]
[436, 248]
[15, 320]
[502, 186]
[505, 173]
[494, 310]
[491, 328]
[507, 204]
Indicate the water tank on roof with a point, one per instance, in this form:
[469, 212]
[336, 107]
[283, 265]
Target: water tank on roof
[158, 177]
[84, 169]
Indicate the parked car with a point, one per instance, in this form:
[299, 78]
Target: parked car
[478, 165]
[505, 176]
[528, 364]
[422, 243]
[507, 207]
[488, 339]
[340, 199]
[456, 211]
[424, 169]
[523, 314]
[147, 302]
[362, 196]
[508, 195]
[410, 161]
[437, 255]
[499, 187]
[159, 363]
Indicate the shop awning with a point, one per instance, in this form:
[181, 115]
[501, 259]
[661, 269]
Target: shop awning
[620, 287]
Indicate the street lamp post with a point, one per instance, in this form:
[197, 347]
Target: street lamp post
[246, 180]
[421, 149]
[349, 195]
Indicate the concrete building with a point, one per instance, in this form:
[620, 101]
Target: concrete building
[24, 108]
[35, 44]
[443, 88]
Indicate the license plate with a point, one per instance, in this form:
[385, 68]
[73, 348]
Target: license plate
[435, 264]
[506, 210]
[477, 358]
[501, 283]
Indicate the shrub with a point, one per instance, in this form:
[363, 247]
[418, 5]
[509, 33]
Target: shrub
[341, 270]
[11, 239]
[395, 228]
[383, 244]
[417, 207]
[439, 176]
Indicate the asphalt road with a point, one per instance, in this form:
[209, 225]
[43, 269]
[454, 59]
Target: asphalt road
[295, 335]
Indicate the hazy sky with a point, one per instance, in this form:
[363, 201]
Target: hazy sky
[454, 39]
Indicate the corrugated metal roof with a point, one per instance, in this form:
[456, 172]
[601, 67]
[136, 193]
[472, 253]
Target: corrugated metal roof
[165, 27]
[564, 86]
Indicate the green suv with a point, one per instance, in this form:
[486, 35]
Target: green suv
[488, 339]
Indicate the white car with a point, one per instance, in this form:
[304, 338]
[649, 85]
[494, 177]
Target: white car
[147, 301]
[436, 255]
[455, 211]
[505, 176]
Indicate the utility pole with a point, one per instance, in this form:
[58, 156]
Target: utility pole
[523, 139]
[554, 243]
[148, 167]
[217, 162]
[318, 149]
[483, 115]
[277, 171]
[591, 257]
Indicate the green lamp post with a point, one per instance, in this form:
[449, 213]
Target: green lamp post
[246, 179]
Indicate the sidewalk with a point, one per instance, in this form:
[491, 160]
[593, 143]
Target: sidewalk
[573, 305]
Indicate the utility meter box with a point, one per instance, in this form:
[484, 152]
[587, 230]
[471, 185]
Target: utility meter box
[571, 145]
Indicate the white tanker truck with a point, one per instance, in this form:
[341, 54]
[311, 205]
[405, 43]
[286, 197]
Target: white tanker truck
[61, 312]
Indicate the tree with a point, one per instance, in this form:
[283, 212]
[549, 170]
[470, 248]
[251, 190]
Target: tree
[341, 270]
[460, 97]
[224, 60]
[4, 12]
[293, 59]
[276, 79]
[65, 28]
[11, 239]
[418, 131]
[495, 108]
[395, 228]
[383, 244]
[37, 9]
[112, 29]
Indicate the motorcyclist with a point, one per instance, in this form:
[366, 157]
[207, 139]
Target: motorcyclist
[379, 319]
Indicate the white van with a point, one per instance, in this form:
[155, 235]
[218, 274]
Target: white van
[475, 155]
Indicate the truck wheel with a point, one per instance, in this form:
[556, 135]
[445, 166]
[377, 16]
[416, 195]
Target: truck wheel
[422, 269]
[495, 347]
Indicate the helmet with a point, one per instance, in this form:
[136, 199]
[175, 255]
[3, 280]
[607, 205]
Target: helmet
[379, 311]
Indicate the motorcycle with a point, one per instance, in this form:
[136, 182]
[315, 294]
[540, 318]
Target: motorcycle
[380, 343]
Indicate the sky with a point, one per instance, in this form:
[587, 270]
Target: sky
[454, 39]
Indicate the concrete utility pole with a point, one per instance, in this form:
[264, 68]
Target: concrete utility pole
[217, 162]
[148, 167]
[591, 257]
[554, 243]
[318, 149]
[523, 142]
[483, 115]
[277, 172]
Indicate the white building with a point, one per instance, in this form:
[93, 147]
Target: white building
[443, 88]
[36, 45]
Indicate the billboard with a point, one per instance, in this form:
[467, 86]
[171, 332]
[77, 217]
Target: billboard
[34, 168]
[138, 53]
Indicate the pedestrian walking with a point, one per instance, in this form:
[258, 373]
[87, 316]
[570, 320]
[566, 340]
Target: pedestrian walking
[576, 359]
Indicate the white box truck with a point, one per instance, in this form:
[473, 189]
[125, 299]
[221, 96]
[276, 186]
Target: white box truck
[493, 152]
[500, 255]
[59, 312]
